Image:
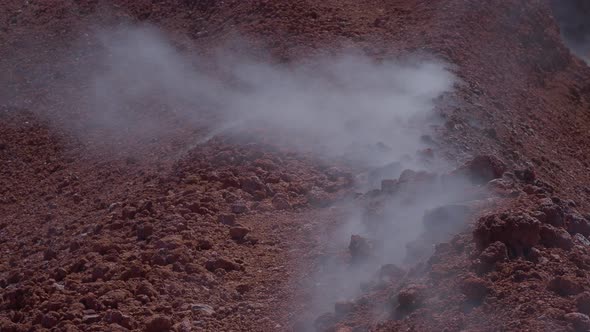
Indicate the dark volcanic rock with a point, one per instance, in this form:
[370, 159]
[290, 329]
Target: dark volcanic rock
[555, 237]
[517, 230]
[222, 263]
[482, 169]
[565, 285]
[359, 247]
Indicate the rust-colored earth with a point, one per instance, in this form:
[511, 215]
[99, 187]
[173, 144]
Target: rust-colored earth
[158, 223]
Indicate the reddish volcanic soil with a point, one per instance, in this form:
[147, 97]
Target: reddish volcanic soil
[113, 231]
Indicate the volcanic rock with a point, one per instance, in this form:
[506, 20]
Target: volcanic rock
[495, 252]
[238, 232]
[475, 289]
[144, 231]
[239, 207]
[325, 322]
[281, 202]
[553, 214]
[359, 247]
[410, 297]
[516, 230]
[222, 263]
[50, 319]
[583, 303]
[252, 185]
[526, 175]
[158, 324]
[227, 219]
[483, 168]
[565, 285]
[553, 237]
[343, 307]
[116, 317]
[577, 224]
[91, 319]
[580, 322]
[204, 308]
[317, 197]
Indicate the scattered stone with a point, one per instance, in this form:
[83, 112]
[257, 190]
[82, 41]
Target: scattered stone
[91, 319]
[281, 202]
[553, 237]
[252, 185]
[144, 231]
[204, 308]
[553, 214]
[134, 270]
[184, 326]
[169, 242]
[15, 298]
[239, 207]
[128, 212]
[78, 266]
[577, 224]
[581, 240]
[238, 232]
[565, 286]
[227, 219]
[583, 302]
[115, 297]
[333, 173]
[482, 169]
[222, 263]
[49, 254]
[318, 198]
[117, 317]
[517, 230]
[60, 274]
[50, 319]
[159, 324]
[475, 289]
[410, 297]
[99, 272]
[494, 253]
[204, 244]
[389, 171]
[147, 289]
[359, 247]
[243, 288]
[581, 322]
[526, 175]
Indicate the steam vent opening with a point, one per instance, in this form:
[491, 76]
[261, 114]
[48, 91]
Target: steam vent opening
[573, 17]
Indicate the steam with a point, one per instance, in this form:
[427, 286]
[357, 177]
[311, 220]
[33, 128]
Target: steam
[573, 17]
[346, 105]
[371, 113]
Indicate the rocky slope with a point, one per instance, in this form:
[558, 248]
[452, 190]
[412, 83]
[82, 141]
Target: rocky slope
[165, 234]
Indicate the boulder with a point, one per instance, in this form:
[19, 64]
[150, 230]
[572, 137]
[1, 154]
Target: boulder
[554, 237]
[517, 230]
[482, 169]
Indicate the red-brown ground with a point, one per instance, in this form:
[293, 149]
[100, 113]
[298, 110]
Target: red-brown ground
[150, 238]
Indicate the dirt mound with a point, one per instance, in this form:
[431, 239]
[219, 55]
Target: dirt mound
[227, 233]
